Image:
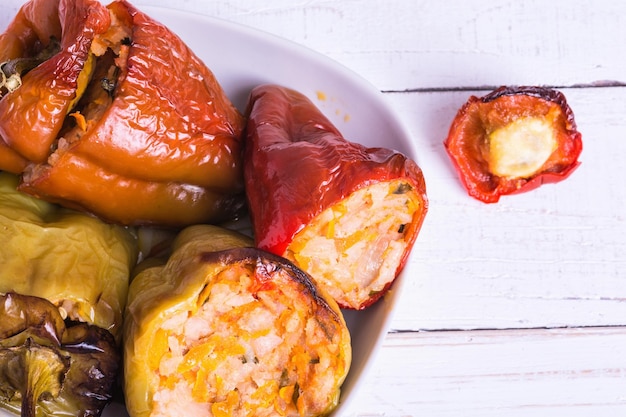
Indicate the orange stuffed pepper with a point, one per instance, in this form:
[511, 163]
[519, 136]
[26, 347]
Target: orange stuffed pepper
[106, 110]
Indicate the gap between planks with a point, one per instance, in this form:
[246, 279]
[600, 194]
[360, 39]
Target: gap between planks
[598, 84]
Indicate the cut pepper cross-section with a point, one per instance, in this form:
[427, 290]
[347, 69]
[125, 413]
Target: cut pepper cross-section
[512, 140]
[345, 213]
[225, 329]
[355, 246]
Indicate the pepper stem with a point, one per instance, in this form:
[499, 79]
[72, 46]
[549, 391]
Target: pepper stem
[12, 71]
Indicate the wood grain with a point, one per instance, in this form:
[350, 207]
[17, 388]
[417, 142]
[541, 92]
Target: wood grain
[535, 372]
[535, 270]
[414, 45]
[548, 258]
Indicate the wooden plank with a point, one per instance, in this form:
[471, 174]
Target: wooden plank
[552, 257]
[536, 372]
[406, 44]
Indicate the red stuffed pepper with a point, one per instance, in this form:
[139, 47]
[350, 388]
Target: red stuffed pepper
[116, 117]
[345, 213]
[512, 140]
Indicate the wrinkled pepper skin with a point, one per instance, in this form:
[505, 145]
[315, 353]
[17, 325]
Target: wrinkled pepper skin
[210, 269]
[471, 135]
[52, 367]
[32, 116]
[137, 130]
[298, 165]
[22, 38]
[75, 261]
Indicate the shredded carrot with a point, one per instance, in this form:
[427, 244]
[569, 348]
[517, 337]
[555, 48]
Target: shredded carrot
[284, 399]
[80, 120]
[300, 405]
[200, 391]
[227, 407]
[170, 382]
[330, 228]
[265, 394]
[209, 353]
[157, 349]
[301, 359]
[356, 237]
[286, 393]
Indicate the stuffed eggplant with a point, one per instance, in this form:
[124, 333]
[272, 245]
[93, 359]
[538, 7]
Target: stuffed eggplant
[224, 329]
[106, 110]
[347, 214]
[63, 287]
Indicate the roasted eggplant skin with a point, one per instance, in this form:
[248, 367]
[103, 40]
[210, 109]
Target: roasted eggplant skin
[141, 132]
[50, 366]
[77, 262]
[298, 164]
[183, 284]
[467, 143]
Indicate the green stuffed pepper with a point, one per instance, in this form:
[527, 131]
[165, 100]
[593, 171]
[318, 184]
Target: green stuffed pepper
[63, 287]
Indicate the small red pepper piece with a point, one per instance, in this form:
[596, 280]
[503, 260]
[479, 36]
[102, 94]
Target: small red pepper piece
[345, 213]
[512, 140]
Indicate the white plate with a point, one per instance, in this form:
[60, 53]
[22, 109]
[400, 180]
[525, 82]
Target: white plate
[242, 58]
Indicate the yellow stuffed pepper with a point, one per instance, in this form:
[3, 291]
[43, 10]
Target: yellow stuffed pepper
[224, 329]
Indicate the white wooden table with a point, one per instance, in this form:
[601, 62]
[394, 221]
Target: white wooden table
[518, 308]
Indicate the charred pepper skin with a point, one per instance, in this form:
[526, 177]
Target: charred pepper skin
[297, 164]
[468, 140]
[132, 126]
[49, 366]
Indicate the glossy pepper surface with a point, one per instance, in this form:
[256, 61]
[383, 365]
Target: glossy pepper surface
[337, 208]
[512, 140]
[130, 124]
[32, 114]
[222, 326]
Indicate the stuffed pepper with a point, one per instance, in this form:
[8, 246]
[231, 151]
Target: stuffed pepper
[221, 328]
[63, 287]
[106, 110]
[345, 213]
[513, 139]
